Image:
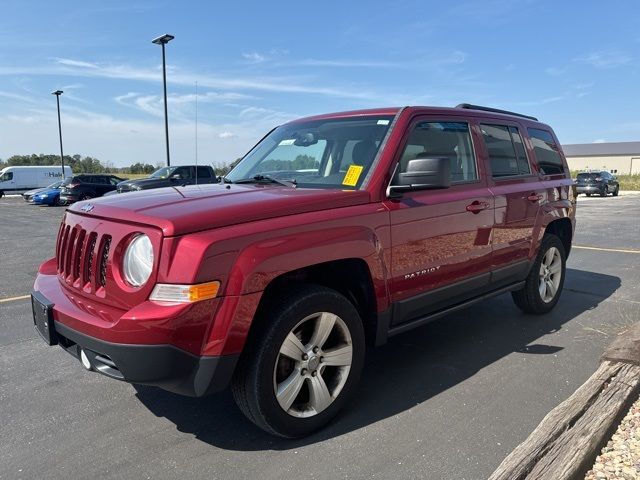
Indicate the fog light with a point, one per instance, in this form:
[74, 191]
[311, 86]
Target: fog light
[85, 360]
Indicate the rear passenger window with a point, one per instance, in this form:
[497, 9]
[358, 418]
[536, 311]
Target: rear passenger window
[451, 140]
[204, 172]
[506, 150]
[546, 150]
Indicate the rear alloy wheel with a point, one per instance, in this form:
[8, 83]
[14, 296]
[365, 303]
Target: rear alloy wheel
[86, 196]
[545, 280]
[302, 363]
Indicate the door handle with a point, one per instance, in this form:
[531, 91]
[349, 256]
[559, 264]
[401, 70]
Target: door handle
[477, 206]
[533, 197]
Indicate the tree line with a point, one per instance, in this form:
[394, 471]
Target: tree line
[87, 164]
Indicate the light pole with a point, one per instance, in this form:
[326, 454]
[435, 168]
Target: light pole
[57, 93]
[162, 41]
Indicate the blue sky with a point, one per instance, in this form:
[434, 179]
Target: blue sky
[573, 64]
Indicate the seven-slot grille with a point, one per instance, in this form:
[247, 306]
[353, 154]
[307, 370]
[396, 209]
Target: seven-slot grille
[82, 257]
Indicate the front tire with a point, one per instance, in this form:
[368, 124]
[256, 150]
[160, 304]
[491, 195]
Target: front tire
[302, 363]
[544, 283]
[84, 197]
[616, 191]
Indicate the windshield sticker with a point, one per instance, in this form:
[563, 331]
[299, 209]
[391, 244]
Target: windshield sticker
[287, 141]
[383, 122]
[352, 175]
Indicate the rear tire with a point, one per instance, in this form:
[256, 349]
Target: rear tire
[1, 194]
[544, 283]
[603, 192]
[285, 383]
[588, 194]
[84, 197]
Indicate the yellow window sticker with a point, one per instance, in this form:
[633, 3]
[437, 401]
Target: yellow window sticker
[352, 175]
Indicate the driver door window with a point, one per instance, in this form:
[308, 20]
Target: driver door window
[450, 140]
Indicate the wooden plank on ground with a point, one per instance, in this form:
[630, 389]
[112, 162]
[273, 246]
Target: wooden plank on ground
[566, 442]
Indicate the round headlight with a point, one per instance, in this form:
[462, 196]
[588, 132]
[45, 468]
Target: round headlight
[138, 261]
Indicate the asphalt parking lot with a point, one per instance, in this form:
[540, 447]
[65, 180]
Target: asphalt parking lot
[449, 400]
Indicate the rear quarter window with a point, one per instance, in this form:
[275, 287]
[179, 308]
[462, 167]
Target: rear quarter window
[546, 151]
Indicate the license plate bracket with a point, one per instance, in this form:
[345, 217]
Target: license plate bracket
[43, 318]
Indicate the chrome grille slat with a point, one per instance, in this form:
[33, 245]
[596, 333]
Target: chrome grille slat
[77, 254]
[88, 259]
[104, 258]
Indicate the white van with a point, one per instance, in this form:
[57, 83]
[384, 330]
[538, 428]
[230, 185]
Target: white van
[20, 179]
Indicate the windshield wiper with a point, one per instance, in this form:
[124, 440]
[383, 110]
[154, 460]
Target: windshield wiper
[260, 178]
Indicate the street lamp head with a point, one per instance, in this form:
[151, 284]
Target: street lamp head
[57, 93]
[163, 39]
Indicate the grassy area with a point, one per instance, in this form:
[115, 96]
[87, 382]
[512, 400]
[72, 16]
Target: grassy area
[627, 182]
[132, 176]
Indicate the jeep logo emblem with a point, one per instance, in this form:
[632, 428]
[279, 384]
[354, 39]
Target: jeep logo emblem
[87, 208]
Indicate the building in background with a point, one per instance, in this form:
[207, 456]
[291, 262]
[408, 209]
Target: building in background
[621, 158]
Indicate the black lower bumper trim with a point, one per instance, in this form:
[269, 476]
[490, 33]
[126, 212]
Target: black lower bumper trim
[164, 366]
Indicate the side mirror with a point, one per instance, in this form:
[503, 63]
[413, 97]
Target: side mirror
[177, 177]
[424, 174]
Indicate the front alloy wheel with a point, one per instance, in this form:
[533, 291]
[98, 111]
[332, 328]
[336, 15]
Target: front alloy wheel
[313, 365]
[302, 360]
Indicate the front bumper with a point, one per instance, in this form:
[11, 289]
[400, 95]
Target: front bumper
[68, 198]
[164, 366]
[187, 349]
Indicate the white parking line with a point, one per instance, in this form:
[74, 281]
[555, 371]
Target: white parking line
[599, 249]
[13, 299]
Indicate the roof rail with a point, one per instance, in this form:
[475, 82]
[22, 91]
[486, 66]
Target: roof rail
[469, 106]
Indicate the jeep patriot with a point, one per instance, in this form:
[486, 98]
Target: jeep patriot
[333, 233]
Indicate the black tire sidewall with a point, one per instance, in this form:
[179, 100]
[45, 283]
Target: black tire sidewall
[315, 300]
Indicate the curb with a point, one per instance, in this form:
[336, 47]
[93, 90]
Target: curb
[566, 443]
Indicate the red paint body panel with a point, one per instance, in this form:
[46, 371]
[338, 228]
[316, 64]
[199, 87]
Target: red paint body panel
[245, 236]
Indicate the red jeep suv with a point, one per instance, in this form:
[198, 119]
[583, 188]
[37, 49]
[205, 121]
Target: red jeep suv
[333, 232]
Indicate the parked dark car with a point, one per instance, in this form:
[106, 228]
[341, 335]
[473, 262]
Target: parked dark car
[601, 183]
[171, 177]
[86, 186]
[28, 196]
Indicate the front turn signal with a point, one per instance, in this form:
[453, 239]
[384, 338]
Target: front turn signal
[167, 292]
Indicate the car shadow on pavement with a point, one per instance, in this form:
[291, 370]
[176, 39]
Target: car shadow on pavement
[409, 370]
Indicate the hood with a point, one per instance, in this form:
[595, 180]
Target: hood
[144, 183]
[180, 210]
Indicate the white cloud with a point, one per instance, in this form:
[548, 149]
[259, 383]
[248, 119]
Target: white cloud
[254, 57]
[605, 59]
[17, 96]
[227, 135]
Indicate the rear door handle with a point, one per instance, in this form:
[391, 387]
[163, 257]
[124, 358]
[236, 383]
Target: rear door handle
[477, 206]
[533, 197]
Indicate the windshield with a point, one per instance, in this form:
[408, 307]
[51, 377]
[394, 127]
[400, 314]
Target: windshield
[329, 153]
[55, 184]
[164, 172]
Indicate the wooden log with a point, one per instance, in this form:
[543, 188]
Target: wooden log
[566, 442]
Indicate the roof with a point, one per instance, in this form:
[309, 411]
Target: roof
[602, 149]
